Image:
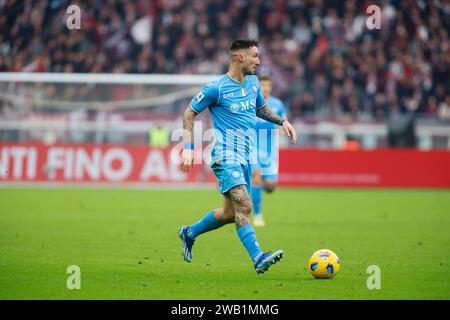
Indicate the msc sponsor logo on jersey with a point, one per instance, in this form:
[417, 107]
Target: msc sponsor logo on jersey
[234, 108]
[247, 104]
[243, 105]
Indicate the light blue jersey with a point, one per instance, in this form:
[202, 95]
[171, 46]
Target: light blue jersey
[233, 111]
[268, 140]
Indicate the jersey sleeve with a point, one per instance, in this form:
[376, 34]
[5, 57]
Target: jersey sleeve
[207, 97]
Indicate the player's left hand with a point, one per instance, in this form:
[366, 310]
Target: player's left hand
[290, 131]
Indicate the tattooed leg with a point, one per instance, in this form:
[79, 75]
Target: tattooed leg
[242, 210]
[242, 205]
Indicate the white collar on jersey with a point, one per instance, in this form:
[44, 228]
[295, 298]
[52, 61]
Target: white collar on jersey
[241, 83]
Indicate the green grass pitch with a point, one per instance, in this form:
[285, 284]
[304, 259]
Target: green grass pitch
[125, 243]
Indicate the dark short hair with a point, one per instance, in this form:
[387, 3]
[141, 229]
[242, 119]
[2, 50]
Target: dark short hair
[264, 78]
[243, 44]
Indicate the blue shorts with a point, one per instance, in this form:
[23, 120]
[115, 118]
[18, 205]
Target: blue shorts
[232, 175]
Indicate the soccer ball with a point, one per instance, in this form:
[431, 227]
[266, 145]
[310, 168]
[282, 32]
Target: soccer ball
[324, 264]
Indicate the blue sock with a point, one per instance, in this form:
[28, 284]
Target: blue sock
[248, 238]
[207, 223]
[257, 199]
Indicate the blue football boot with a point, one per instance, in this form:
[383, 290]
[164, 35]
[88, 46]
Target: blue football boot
[266, 260]
[187, 243]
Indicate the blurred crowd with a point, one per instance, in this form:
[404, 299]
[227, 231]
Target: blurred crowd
[324, 61]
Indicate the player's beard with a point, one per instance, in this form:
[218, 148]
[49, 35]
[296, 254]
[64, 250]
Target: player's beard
[248, 72]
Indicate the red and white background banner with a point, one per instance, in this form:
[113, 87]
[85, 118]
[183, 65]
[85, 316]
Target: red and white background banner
[127, 165]
[84, 164]
[375, 168]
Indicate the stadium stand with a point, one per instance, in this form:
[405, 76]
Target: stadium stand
[325, 61]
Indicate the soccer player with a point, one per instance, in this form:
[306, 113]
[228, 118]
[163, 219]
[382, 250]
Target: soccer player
[234, 100]
[265, 171]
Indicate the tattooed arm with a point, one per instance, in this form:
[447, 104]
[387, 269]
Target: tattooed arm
[268, 115]
[207, 97]
[188, 124]
[187, 155]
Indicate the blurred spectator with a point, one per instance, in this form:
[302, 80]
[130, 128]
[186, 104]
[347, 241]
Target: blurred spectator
[402, 130]
[159, 136]
[351, 143]
[444, 109]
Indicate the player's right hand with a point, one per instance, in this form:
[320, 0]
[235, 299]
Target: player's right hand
[187, 160]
